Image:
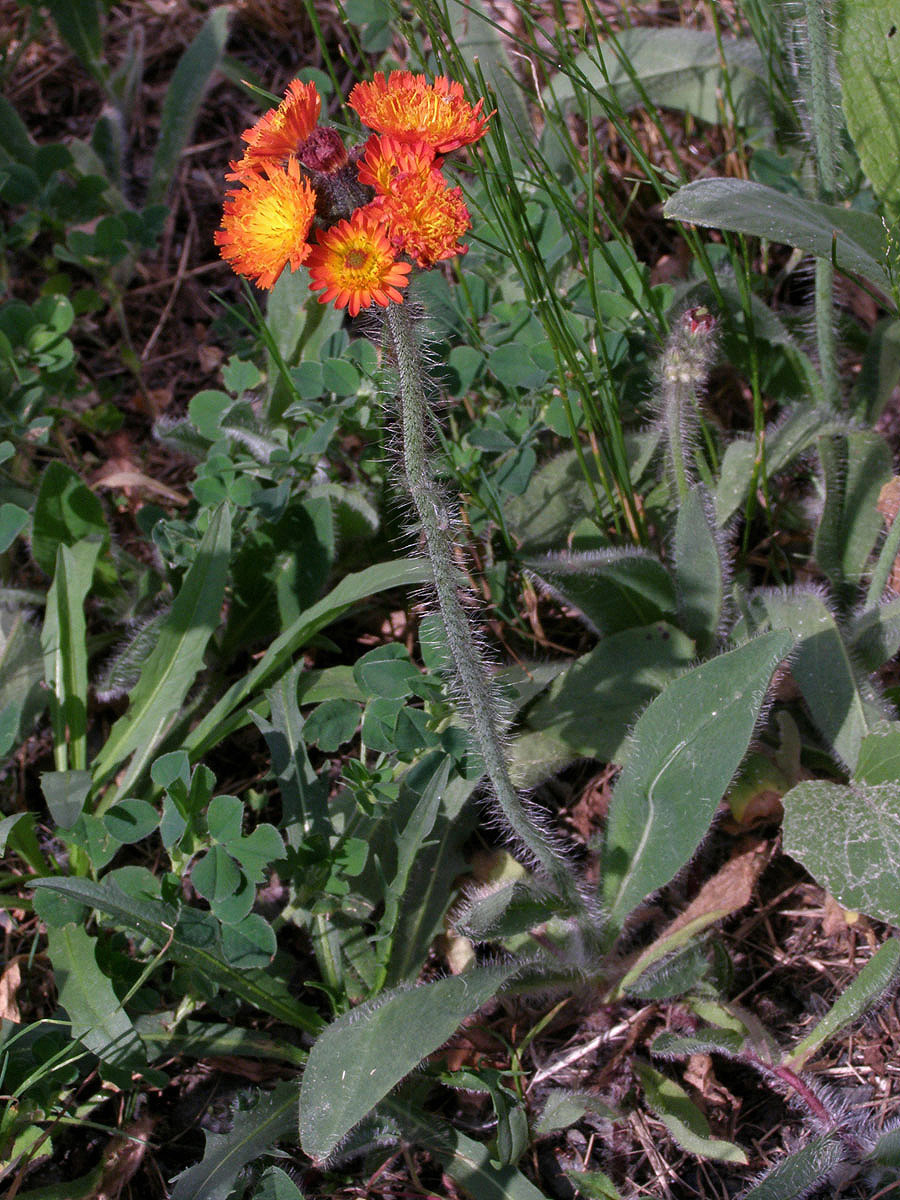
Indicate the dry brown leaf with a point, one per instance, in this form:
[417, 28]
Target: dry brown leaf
[122, 1158]
[10, 982]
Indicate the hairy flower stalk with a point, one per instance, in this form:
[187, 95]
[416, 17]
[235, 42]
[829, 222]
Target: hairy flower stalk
[467, 662]
[823, 121]
[682, 377]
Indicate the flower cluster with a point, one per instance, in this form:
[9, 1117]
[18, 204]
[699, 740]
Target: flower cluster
[358, 221]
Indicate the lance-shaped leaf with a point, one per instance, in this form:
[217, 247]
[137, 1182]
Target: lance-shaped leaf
[366, 1052]
[855, 1001]
[681, 1116]
[797, 1174]
[65, 652]
[853, 239]
[252, 1133]
[173, 665]
[870, 90]
[87, 995]
[684, 752]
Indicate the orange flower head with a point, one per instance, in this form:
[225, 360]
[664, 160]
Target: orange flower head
[413, 110]
[355, 265]
[281, 132]
[265, 224]
[386, 157]
[425, 219]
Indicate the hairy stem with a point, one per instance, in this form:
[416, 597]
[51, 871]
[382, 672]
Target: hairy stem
[467, 662]
[825, 143]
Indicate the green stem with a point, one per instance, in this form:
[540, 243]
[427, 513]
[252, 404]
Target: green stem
[825, 144]
[467, 661]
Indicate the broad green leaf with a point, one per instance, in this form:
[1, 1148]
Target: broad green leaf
[684, 751]
[63, 640]
[854, 239]
[879, 755]
[22, 694]
[563, 1108]
[592, 707]
[857, 999]
[870, 91]
[431, 882]
[681, 1116]
[249, 944]
[699, 577]
[13, 519]
[66, 511]
[15, 140]
[469, 1164]
[879, 372]
[304, 797]
[596, 1185]
[224, 718]
[856, 465]
[362, 1055]
[78, 22]
[131, 821]
[193, 940]
[873, 636]
[87, 995]
[65, 793]
[175, 662]
[676, 68]
[253, 1131]
[205, 1039]
[848, 838]
[275, 1185]
[613, 589]
[184, 96]
[412, 847]
[821, 667]
[797, 1174]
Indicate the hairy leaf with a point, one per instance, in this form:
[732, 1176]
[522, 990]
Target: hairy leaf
[848, 838]
[684, 751]
[363, 1054]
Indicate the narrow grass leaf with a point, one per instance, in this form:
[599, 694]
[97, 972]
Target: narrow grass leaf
[854, 239]
[848, 838]
[366, 1052]
[253, 1131]
[184, 96]
[175, 662]
[684, 751]
[681, 1116]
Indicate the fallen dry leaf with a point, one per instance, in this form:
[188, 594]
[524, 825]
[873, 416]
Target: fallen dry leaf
[10, 982]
